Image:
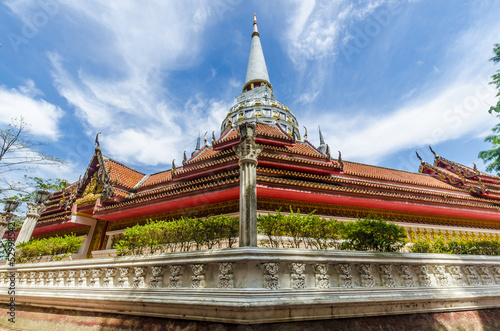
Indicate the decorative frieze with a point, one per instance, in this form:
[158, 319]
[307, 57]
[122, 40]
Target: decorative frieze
[226, 276]
[198, 278]
[32, 279]
[440, 274]
[157, 276]
[176, 272]
[297, 277]
[124, 277]
[71, 279]
[95, 277]
[485, 275]
[50, 278]
[24, 279]
[139, 279]
[40, 280]
[109, 276]
[321, 277]
[365, 271]
[82, 278]
[386, 275]
[457, 275]
[61, 277]
[271, 277]
[423, 275]
[496, 274]
[345, 277]
[472, 275]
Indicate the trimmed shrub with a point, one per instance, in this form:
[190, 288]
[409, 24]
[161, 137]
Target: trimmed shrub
[296, 230]
[55, 248]
[471, 247]
[373, 235]
[179, 235]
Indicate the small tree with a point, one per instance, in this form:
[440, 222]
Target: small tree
[492, 156]
[373, 235]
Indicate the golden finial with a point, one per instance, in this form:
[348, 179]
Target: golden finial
[421, 161]
[97, 139]
[184, 159]
[435, 155]
[305, 134]
[213, 138]
[205, 138]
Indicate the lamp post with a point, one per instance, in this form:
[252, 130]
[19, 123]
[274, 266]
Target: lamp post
[7, 216]
[32, 216]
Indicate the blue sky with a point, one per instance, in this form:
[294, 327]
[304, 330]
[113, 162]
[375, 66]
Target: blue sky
[382, 78]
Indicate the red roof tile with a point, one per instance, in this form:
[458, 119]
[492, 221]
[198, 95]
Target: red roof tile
[123, 175]
[364, 170]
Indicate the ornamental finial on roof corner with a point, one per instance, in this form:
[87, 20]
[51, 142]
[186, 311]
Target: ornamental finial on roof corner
[305, 134]
[184, 158]
[97, 139]
[435, 155]
[421, 161]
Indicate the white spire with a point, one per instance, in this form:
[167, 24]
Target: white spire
[256, 71]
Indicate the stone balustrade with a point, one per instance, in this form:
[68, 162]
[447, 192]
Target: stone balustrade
[255, 285]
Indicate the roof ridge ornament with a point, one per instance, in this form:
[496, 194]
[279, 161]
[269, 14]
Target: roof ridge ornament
[97, 139]
[435, 155]
[421, 161]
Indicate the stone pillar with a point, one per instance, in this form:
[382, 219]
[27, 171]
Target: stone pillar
[248, 152]
[33, 214]
[5, 219]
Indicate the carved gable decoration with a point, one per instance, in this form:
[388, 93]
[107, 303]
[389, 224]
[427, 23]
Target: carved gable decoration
[96, 183]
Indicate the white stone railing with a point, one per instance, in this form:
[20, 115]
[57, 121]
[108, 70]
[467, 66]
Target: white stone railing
[255, 285]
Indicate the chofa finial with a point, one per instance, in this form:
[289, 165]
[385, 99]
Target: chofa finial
[421, 161]
[97, 138]
[435, 155]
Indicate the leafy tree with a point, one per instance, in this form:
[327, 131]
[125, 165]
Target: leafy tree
[20, 152]
[492, 156]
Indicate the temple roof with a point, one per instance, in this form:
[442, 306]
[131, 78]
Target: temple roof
[290, 169]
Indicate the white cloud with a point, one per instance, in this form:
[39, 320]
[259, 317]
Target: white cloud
[41, 116]
[453, 107]
[140, 122]
[318, 32]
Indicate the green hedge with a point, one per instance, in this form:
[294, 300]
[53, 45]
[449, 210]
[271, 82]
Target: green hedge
[55, 248]
[311, 231]
[295, 230]
[180, 235]
[373, 235]
[471, 247]
[282, 231]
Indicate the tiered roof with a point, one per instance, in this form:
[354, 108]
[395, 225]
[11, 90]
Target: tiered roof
[290, 171]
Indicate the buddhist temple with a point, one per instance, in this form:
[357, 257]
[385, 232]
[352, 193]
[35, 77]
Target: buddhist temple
[260, 142]
[444, 199]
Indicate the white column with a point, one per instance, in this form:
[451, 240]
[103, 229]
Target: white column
[33, 214]
[4, 222]
[248, 151]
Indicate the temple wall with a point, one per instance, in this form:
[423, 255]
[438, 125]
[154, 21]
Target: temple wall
[258, 285]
